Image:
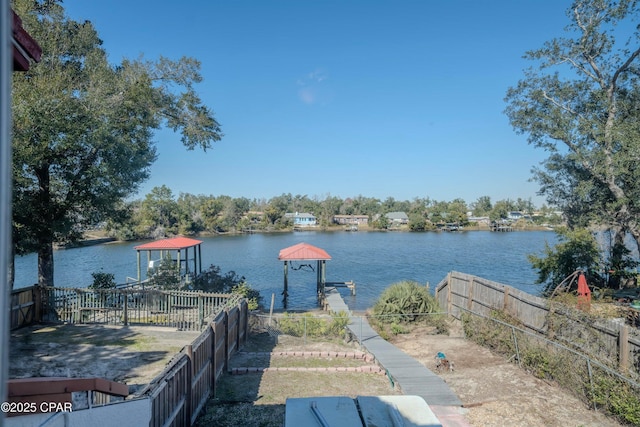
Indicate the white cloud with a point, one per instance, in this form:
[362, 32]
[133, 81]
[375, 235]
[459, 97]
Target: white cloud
[311, 87]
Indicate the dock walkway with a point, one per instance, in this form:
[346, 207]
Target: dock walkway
[412, 377]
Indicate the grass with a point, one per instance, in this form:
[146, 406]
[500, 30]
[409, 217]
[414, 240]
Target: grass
[258, 399]
[72, 335]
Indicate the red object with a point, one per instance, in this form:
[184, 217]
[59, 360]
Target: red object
[175, 244]
[25, 48]
[302, 252]
[584, 293]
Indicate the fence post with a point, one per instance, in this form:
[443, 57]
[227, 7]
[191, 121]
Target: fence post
[212, 359]
[449, 311]
[126, 308]
[593, 392]
[470, 295]
[623, 348]
[76, 312]
[37, 303]
[188, 350]
[505, 300]
[200, 310]
[515, 341]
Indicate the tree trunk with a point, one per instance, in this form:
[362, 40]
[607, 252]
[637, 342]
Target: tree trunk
[45, 264]
[45, 237]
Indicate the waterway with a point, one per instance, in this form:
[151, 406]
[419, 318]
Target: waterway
[373, 260]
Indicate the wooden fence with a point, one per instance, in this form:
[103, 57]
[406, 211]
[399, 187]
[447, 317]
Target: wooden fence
[180, 392]
[187, 310]
[26, 307]
[611, 341]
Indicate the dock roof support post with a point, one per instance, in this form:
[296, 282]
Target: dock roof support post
[139, 267]
[285, 292]
[186, 260]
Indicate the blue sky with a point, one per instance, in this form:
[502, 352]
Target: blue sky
[382, 99]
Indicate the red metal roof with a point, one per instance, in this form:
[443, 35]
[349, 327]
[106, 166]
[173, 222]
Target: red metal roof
[174, 243]
[303, 251]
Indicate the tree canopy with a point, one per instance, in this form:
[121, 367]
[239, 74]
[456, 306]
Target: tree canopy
[83, 129]
[579, 102]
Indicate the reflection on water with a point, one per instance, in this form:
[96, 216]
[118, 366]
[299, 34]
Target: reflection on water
[373, 260]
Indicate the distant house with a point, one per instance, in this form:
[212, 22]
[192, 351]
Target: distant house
[302, 219]
[351, 219]
[514, 215]
[480, 220]
[397, 218]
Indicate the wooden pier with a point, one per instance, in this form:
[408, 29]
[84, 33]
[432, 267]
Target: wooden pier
[412, 377]
[501, 227]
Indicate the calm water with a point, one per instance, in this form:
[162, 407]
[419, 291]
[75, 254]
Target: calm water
[372, 260]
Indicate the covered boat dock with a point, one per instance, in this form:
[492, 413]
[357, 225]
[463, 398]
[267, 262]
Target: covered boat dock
[183, 256]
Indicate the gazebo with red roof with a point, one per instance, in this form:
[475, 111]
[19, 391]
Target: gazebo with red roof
[167, 246]
[304, 252]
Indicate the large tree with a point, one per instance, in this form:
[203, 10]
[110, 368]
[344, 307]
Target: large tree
[580, 102]
[83, 128]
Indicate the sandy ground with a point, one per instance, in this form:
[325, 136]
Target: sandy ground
[133, 355]
[496, 392]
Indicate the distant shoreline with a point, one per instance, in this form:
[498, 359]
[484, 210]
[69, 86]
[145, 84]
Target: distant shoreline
[92, 239]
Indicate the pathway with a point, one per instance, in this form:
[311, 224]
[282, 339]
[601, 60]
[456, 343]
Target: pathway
[412, 377]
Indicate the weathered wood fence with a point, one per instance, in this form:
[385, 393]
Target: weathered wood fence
[611, 341]
[26, 307]
[187, 310]
[180, 392]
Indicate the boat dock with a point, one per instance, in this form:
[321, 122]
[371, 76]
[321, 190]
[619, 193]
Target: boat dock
[411, 376]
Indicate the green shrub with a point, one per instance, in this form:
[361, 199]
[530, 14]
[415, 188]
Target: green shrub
[103, 280]
[404, 301]
[311, 325]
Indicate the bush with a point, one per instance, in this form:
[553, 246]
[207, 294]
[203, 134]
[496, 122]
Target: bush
[404, 301]
[103, 280]
[252, 295]
[311, 325]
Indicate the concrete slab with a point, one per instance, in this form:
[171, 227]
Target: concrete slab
[333, 411]
[407, 411]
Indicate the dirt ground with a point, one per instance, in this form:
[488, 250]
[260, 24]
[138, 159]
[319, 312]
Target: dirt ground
[494, 391]
[133, 355]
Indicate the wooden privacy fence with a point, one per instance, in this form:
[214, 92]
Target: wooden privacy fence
[610, 341]
[189, 310]
[26, 307]
[180, 392]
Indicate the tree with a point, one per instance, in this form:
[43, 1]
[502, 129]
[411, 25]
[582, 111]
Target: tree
[501, 210]
[580, 103]
[83, 129]
[159, 212]
[482, 206]
[577, 250]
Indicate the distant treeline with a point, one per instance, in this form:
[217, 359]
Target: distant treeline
[161, 214]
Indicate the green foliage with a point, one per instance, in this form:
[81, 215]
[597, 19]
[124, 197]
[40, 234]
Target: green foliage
[617, 398]
[577, 103]
[83, 129]
[102, 280]
[212, 280]
[404, 301]
[577, 250]
[165, 275]
[594, 385]
[253, 296]
[311, 325]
